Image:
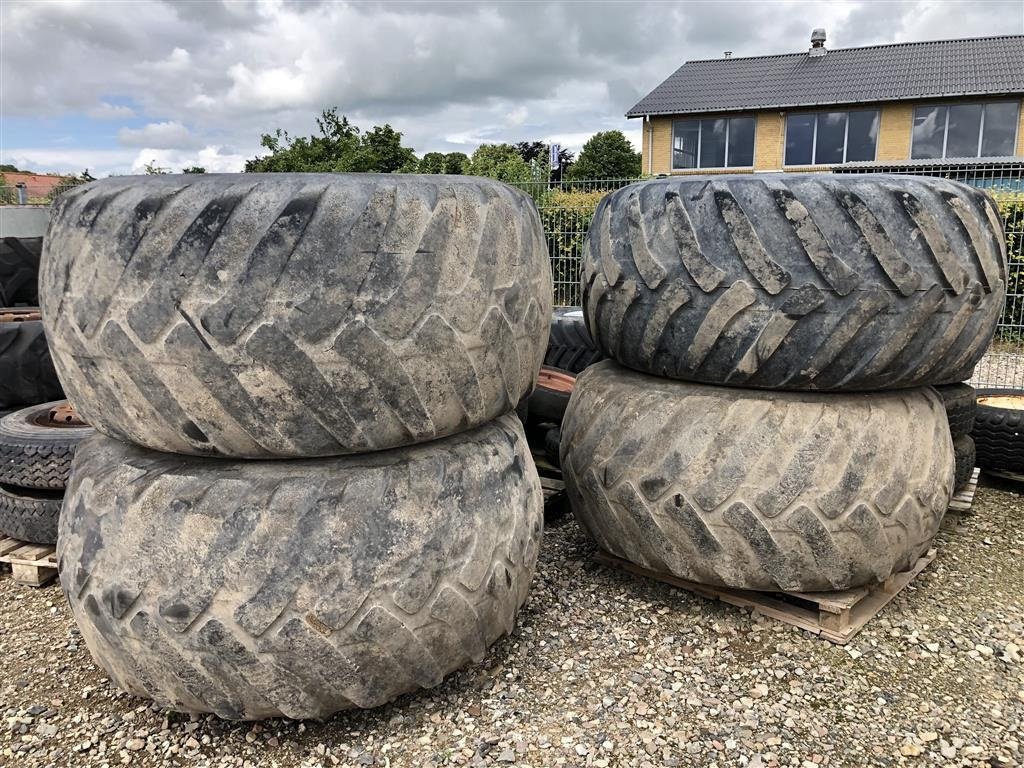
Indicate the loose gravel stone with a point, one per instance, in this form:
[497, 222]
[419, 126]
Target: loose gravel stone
[603, 670]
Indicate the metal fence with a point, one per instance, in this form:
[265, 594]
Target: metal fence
[567, 207]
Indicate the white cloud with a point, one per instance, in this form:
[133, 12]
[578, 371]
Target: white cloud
[168, 135]
[107, 111]
[213, 158]
[448, 75]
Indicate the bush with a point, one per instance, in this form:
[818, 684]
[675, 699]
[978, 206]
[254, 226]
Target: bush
[1011, 207]
[566, 217]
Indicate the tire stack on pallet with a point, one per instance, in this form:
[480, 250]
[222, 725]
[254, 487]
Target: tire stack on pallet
[766, 421]
[36, 437]
[310, 492]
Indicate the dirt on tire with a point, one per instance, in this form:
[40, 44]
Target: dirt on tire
[756, 490]
[294, 315]
[299, 588]
[796, 281]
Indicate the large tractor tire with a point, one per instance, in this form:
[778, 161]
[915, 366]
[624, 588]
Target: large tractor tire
[254, 589]
[802, 281]
[19, 271]
[756, 490]
[27, 375]
[294, 315]
[570, 347]
[961, 402]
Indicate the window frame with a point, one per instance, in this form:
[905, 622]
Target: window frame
[699, 119]
[981, 126]
[814, 136]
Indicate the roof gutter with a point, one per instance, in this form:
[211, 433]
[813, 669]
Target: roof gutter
[650, 146]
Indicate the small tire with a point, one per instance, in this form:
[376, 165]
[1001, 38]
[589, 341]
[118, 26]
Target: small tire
[254, 589]
[999, 430]
[551, 396]
[19, 271]
[29, 514]
[570, 347]
[27, 374]
[35, 451]
[756, 490]
[804, 281]
[294, 315]
[964, 458]
[961, 402]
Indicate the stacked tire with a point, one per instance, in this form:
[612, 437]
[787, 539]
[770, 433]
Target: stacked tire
[377, 331]
[961, 404]
[30, 490]
[767, 419]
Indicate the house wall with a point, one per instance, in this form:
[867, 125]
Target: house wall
[896, 123]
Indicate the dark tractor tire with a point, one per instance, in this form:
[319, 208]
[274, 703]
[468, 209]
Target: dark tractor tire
[961, 402]
[964, 457]
[551, 397]
[27, 374]
[999, 430]
[19, 271]
[36, 449]
[570, 347]
[298, 588]
[796, 281]
[756, 490]
[294, 315]
[29, 514]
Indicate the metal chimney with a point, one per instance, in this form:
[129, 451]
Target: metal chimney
[817, 42]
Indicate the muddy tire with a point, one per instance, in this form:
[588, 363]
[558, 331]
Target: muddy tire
[961, 402]
[27, 374]
[35, 450]
[294, 315]
[999, 430]
[802, 281]
[964, 457]
[570, 347]
[298, 588]
[19, 271]
[29, 514]
[756, 490]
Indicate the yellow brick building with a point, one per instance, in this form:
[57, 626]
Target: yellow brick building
[948, 101]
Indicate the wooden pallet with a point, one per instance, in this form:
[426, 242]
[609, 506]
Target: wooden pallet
[835, 616]
[32, 564]
[961, 502]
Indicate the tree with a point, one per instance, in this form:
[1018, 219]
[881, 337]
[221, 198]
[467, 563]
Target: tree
[536, 153]
[607, 155]
[432, 162]
[194, 169]
[455, 163]
[499, 161]
[452, 163]
[153, 169]
[341, 146]
[8, 168]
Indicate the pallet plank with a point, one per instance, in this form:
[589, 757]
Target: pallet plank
[32, 564]
[835, 616]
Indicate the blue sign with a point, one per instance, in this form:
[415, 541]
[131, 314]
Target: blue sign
[553, 153]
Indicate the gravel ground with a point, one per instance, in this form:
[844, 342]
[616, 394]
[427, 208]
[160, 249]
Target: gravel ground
[604, 670]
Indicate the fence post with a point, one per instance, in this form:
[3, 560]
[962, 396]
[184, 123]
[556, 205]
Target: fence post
[22, 193]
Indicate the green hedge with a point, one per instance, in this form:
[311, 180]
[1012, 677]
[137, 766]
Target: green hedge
[1011, 207]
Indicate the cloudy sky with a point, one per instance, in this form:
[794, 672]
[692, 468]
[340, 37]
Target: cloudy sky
[113, 85]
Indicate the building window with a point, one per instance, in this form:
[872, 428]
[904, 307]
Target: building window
[829, 138]
[965, 130]
[723, 142]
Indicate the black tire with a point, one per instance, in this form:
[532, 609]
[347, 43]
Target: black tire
[964, 458]
[19, 271]
[261, 588]
[27, 374]
[319, 314]
[961, 402]
[570, 347]
[999, 430]
[36, 452]
[29, 514]
[756, 490]
[550, 399]
[552, 441]
[796, 281]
